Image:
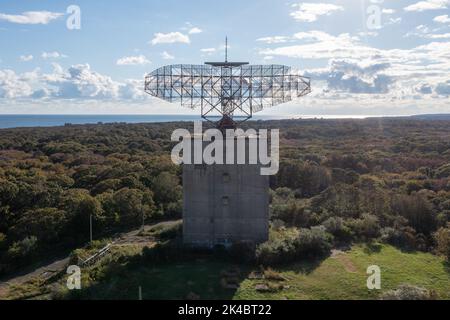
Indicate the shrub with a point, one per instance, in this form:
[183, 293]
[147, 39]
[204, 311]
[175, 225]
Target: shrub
[276, 251]
[173, 209]
[47, 224]
[344, 176]
[442, 238]
[442, 219]
[59, 292]
[340, 200]
[443, 171]
[367, 227]
[284, 193]
[413, 185]
[417, 209]
[336, 226]
[271, 274]
[77, 256]
[292, 244]
[314, 242]
[404, 237]
[277, 224]
[168, 230]
[22, 250]
[409, 292]
[306, 177]
[292, 212]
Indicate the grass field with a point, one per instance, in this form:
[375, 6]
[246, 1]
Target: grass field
[340, 276]
[344, 276]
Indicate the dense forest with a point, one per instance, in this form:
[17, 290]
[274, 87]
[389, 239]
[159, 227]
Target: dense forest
[340, 181]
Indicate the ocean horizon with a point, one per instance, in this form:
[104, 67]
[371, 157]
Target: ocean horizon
[8, 121]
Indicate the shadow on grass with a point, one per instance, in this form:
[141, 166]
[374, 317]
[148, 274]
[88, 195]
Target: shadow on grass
[37, 266]
[305, 266]
[166, 271]
[172, 271]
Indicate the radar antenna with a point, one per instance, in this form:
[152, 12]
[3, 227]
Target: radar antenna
[226, 49]
[228, 93]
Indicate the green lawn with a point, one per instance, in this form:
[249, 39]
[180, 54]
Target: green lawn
[342, 276]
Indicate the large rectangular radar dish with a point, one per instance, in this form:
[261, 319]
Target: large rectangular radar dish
[227, 89]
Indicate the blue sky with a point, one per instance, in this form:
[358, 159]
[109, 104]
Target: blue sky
[365, 57]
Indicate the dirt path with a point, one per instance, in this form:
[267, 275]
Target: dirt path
[343, 258]
[58, 265]
[43, 272]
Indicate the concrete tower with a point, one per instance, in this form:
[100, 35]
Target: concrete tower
[225, 203]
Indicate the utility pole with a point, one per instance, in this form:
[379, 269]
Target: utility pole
[90, 226]
[140, 293]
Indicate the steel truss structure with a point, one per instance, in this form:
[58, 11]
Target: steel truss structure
[227, 90]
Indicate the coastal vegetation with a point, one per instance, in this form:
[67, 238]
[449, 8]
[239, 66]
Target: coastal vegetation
[342, 183]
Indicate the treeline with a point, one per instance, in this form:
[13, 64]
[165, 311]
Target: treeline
[361, 181]
[339, 181]
[54, 180]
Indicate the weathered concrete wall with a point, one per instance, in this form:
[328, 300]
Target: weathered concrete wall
[225, 203]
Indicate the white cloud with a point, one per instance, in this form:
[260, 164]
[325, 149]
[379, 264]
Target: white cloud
[80, 82]
[352, 77]
[357, 70]
[388, 11]
[167, 56]
[133, 60]
[309, 36]
[313, 35]
[53, 55]
[310, 12]
[26, 58]
[132, 90]
[208, 50]
[12, 86]
[442, 19]
[372, 85]
[368, 34]
[274, 39]
[423, 31]
[171, 37]
[428, 5]
[195, 30]
[394, 77]
[30, 76]
[321, 45]
[439, 36]
[31, 17]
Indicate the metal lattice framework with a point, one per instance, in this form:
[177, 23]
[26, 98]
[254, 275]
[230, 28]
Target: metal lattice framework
[228, 90]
